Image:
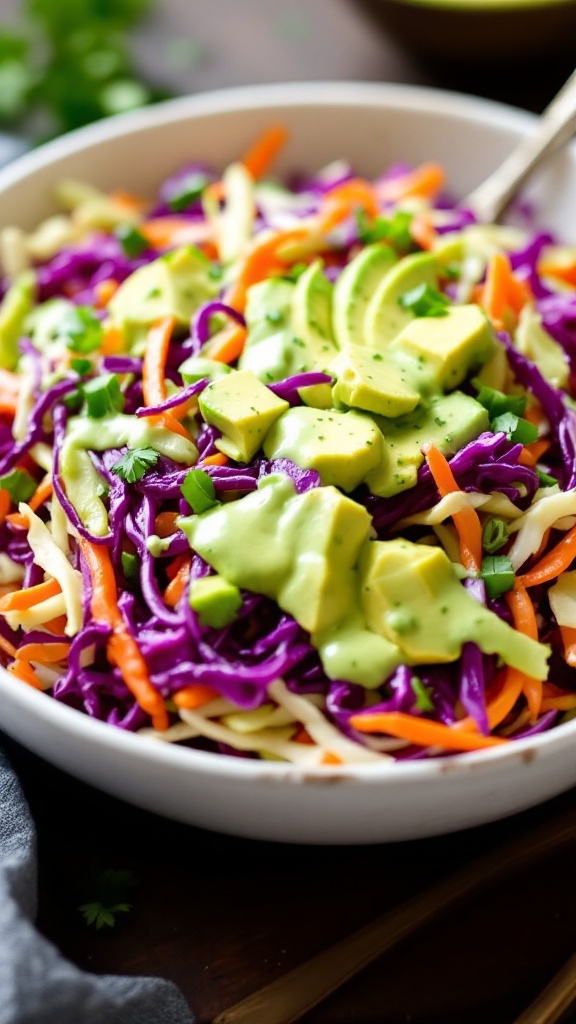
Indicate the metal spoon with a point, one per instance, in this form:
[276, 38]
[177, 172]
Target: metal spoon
[555, 127]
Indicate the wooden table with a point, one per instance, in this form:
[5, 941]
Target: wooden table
[223, 916]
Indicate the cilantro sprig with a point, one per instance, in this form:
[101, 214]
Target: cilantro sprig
[110, 891]
[135, 463]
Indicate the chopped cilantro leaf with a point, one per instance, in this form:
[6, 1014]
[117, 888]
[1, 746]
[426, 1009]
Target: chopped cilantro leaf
[198, 490]
[423, 300]
[135, 463]
[82, 330]
[189, 190]
[132, 241]
[422, 693]
[515, 428]
[19, 484]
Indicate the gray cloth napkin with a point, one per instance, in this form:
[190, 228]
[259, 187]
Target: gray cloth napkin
[37, 985]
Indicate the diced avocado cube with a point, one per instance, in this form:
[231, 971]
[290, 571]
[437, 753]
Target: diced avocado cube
[14, 309]
[450, 422]
[411, 595]
[244, 410]
[302, 550]
[370, 380]
[272, 351]
[354, 289]
[451, 346]
[342, 446]
[384, 316]
[216, 601]
[199, 367]
[173, 285]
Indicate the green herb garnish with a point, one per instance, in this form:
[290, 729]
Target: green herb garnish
[422, 693]
[198, 489]
[497, 403]
[515, 428]
[189, 192]
[395, 229]
[132, 241]
[135, 463]
[110, 899]
[494, 534]
[19, 484]
[103, 396]
[423, 300]
[498, 574]
[82, 330]
[130, 564]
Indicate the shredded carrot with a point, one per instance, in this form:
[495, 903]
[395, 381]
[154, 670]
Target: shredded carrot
[261, 262]
[21, 600]
[178, 584]
[330, 758]
[17, 519]
[565, 272]
[424, 182]
[9, 390]
[467, 522]
[216, 460]
[42, 492]
[56, 626]
[5, 504]
[261, 155]
[302, 736]
[7, 647]
[22, 670]
[169, 232]
[552, 564]
[423, 231]
[524, 620]
[113, 341]
[153, 374]
[194, 696]
[568, 634]
[422, 731]
[104, 291]
[532, 453]
[174, 565]
[503, 292]
[342, 201]
[165, 524]
[46, 654]
[128, 200]
[227, 345]
[565, 703]
[122, 649]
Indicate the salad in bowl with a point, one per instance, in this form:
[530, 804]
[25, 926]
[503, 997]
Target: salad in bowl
[288, 466]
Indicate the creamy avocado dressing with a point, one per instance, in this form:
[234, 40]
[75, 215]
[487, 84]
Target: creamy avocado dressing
[368, 605]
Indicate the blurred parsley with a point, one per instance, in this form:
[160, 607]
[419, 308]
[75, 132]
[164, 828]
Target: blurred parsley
[110, 891]
[70, 64]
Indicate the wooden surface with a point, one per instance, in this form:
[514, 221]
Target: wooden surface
[223, 916]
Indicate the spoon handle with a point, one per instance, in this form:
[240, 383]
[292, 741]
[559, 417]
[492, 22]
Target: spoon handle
[556, 126]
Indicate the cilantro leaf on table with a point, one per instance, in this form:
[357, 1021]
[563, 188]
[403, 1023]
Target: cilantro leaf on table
[110, 890]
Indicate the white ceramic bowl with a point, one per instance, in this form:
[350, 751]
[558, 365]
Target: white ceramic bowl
[372, 125]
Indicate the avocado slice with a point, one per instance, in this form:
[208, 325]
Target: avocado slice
[16, 305]
[449, 347]
[244, 410]
[373, 381]
[384, 316]
[173, 285]
[449, 422]
[342, 446]
[354, 289]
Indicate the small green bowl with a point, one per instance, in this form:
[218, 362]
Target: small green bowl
[498, 30]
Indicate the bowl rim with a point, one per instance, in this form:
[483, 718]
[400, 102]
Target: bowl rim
[494, 7]
[54, 714]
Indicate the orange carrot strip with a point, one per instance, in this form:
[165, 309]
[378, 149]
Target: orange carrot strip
[174, 565]
[168, 232]
[17, 519]
[330, 758]
[502, 289]
[424, 181]
[467, 522]
[57, 625]
[341, 202]
[7, 647]
[524, 620]
[21, 600]
[165, 524]
[566, 703]
[422, 731]
[47, 654]
[42, 493]
[302, 736]
[216, 460]
[104, 291]
[177, 585]
[194, 696]
[261, 262]
[113, 341]
[153, 370]
[5, 503]
[122, 649]
[22, 670]
[555, 562]
[563, 272]
[227, 345]
[261, 155]
[9, 391]
[423, 231]
[568, 634]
